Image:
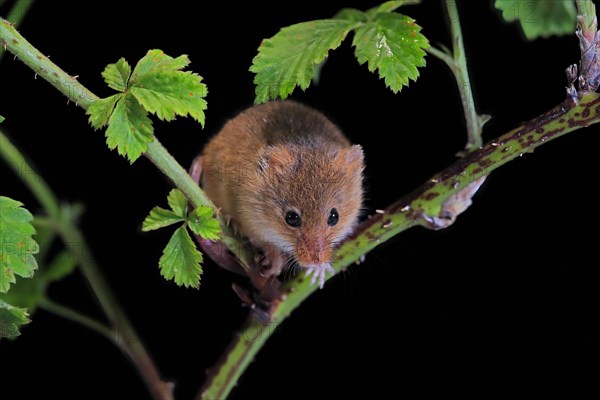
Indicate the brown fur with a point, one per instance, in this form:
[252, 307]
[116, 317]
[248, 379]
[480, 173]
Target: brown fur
[283, 156]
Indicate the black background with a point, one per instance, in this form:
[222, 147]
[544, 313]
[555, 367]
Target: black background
[503, 303]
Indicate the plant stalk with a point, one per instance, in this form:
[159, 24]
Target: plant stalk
[417, 208]
[16, 15]
[457, 62]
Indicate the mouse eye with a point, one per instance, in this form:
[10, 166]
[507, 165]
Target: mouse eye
[292, 219]
[333, 217]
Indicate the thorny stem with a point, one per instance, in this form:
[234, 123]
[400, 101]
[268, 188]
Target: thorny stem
[76, 92]
[457, 62]
[417, 208]
[77, 245]
[16, 15]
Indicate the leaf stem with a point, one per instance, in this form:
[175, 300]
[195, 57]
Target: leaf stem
[75, 316]
[75, 242]
[457, 62]
[16, 15]
[417, 208]
[21, 167]
[75, 91]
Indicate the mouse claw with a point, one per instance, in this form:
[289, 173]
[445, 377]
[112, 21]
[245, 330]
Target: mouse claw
[318, 272]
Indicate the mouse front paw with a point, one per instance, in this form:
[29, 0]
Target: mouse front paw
[318, 273]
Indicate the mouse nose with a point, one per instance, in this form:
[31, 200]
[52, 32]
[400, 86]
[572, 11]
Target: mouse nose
[313, 250]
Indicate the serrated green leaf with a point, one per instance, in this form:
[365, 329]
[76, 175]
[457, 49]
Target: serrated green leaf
[540, 18]
[156, 61]
[181, 260]
[16, 244]
[351, 14]
[11, 319]
[178, 202]
[117, 75]
[2, 119]
[164, 90]
[129, 128]
[101, 110]
[202, 222]
[289, 58]
[25, 293]
[159, 218]
[393, 44]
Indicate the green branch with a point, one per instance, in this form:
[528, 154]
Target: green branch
[81, 319]
[457, 62]
[418, 208]
[16, 15]
[21, 167]
[421, 207]
[76, 92]
[77, 245]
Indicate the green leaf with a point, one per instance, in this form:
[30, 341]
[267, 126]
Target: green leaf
[390, 6]
[159, 218]
[11, 319]
[540, 18]
[156, 60]
[16, 244]
[289, 58]
[393, 44]
[181, 260]
[351, 14]
[101, 110]
[178, 202]
[204, 224]
[27, 293]
[129, 128]
[117, 75]
[156, 85]
[2, 119]
[164, 90]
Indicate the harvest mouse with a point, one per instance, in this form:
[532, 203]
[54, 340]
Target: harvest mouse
[289, 181]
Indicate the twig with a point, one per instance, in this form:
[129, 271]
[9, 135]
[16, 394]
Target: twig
[457, 62]
[418, 208]
[16, 15]
[77, 245]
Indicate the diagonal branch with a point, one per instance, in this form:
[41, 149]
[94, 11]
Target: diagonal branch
[421, 207]
[424, 207]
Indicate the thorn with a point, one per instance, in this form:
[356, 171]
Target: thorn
[35, 76]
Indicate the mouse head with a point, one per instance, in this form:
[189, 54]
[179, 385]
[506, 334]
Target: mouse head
[307, 199]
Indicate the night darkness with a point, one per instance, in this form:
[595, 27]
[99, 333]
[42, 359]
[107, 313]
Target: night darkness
[503, 303]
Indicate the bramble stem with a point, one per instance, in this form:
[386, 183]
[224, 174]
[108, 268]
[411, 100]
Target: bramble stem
[417, 208]
[457, 62]
[16, 15]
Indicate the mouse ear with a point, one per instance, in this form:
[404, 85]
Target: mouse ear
[275, 159]
[355, 157]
